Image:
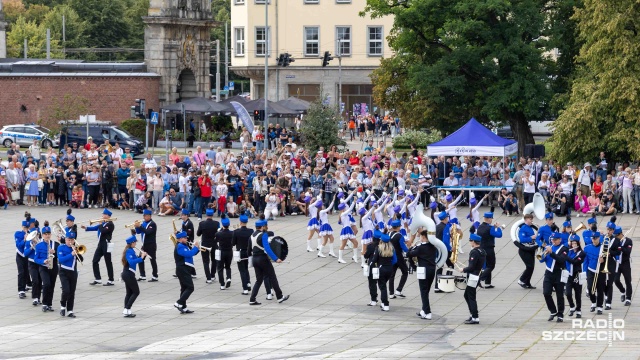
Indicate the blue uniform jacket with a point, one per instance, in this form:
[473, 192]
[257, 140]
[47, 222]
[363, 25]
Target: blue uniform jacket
[187, 254]
[591, 262]
[525, 234]
[558, 253]
[267, 247]
[586, 236]
[496, 232]
[29, 253]
[94, 228]
[41, 253]
[19, 238]
[565, 238]
[574, 258]
[65, 258]
[133, 259]
[446, 236]
[543, 235]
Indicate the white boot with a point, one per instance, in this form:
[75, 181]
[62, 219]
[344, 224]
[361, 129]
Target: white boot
[355, 255]
[319, 244]
[362, 264]
[309, 249]
[331, 253]
[340, 257]
[320, 254]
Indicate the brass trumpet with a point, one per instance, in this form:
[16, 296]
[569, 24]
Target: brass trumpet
[134, 225]
[96, 221]
[580, 227]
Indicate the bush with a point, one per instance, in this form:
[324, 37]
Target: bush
[419, 138]
[135, 127]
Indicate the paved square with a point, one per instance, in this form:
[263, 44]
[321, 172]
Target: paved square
[326, 316]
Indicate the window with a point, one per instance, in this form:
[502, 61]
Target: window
[261, 41]
[343, 41]
[239, 33]
[343, 1]
[374, 38]
[307, 92]
[238, 2]
[311, 41]
[311, 1]
[261, 1]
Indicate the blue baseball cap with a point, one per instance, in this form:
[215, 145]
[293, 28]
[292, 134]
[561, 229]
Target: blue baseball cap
[318, 204]
[243, 219]
[433, 205]
[181, 234]
[592, 221]
[185, 212]
[70, 235]
[342, 206]
[443, 215]
[209, 212]
[225, 222]
[395, 223]
[106, 212]
[473, 201]
[617, 231]
[25, 223]
[475, 238]
[147, 212]
[397, 208]
[556, 235]
[362, 211]
[548, 215]
[377, 234]
[566, 224]
[32, 221]
[385, 238]
[261, 223]
[574, 237]
[131, 239]
[595, 234]
[488, 215]
[611, 225]
[46, 230]
[449, 197]
[71, 218]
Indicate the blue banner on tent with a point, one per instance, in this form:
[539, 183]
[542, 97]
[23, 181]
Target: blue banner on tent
[243, 115]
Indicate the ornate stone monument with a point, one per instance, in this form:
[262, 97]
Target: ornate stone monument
[3, 34]
[177, 47]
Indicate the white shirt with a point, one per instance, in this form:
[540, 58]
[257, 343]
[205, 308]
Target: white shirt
[184, 184]
[450, 182]
[529, 186]
[509, 184]
[149, 163]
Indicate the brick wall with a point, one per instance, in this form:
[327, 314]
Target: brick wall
[110, 98]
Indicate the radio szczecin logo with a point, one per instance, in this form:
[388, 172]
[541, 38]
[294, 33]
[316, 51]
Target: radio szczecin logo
[589, 330]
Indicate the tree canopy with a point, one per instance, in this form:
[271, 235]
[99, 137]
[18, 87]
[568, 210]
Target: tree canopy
[320, 126]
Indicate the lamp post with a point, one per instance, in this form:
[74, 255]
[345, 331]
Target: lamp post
[266, 75]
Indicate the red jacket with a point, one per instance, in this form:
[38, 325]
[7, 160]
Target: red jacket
[205, 186]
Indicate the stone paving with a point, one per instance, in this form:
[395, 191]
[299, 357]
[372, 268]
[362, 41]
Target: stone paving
[326, 316]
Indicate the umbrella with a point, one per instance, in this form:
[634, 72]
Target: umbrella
[273, 109]
[237, 98]
[198, 106]
[295, 104]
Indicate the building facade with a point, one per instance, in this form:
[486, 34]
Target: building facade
[305, 29]
[3, 34]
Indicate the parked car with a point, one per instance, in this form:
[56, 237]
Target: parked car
[24, 134]
[100, 133]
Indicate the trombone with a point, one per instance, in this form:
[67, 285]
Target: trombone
[97, 221]
[604, 252]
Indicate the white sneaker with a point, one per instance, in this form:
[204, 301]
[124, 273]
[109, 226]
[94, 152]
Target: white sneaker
[309, 249]
[209, 281]
[245, 292]
[341, 261]
[385, 308]
[269, 297]
[372, 303]
[332, 254]
[321, 255]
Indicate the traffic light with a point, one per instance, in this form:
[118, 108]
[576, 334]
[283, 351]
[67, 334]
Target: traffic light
[281, 60]
[139, 109]
[258, 115]
[326, 58]
[287, 59]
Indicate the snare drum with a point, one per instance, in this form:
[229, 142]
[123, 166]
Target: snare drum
[446, 283]
[461, 282]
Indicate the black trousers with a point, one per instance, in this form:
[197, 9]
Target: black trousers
[101, 250]
[528, 197]
[225, 263]
[209, 257]
[47, 290]
[94, 191]
[69, 280]
[552, 282]
[572, 287]
[151, 250]
[490, 264]
[243, 269]
[131, 286]
[263, 267]
[186, 284]
[625, 269]
[53, 276]
[23, 272]
[528, 258]
[402, 265]
[34, 272]
[470, 298]
[425, 288]
[608, 289]
[598, 297]
[386, 273]
[373, 286]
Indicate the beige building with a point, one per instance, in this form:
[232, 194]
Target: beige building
[306, 29]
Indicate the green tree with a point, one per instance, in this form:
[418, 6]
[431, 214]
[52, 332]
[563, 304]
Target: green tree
[106, 23]
[74, 27]
[471, 58]
[603, 109]
[66, 107]
[12, 10]
[36, 40]
[320, 127]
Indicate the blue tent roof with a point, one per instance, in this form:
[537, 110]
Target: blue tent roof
[473, 134]
[473, 137]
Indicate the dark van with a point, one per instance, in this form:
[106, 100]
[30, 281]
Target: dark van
[78, 134]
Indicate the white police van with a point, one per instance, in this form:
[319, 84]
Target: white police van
[24, 134]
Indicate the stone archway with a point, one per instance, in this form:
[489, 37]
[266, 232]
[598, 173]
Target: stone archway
[187, 87]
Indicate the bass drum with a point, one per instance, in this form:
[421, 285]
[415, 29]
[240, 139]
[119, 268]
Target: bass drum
[279, 247]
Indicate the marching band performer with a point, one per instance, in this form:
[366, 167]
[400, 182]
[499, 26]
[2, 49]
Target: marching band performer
[451, 204]
[489, 233]
[593, 227]
[207, 229]
[593, 265]
[384, 258]
[242, 242]
[21, 260]
[347, 234]
[129, 261]
[624, 266]
[527, 251]
[426, 254]
[34, 273]
[104, 248]
[614, 252]
[477, 258]
[544, 233]
[42, 251]
[442, 233]
[187, 226]
[367, 228]
[261, 263]
[224, 240]
[325, 228]
[148, 230]
[400, 246]
[314, 224]
[183, 256]
[67, 257]
[71, 226]
[368, 255]
[567, 229]
[554, 257]
[575, 258]
[379, 217]
[474, 214]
